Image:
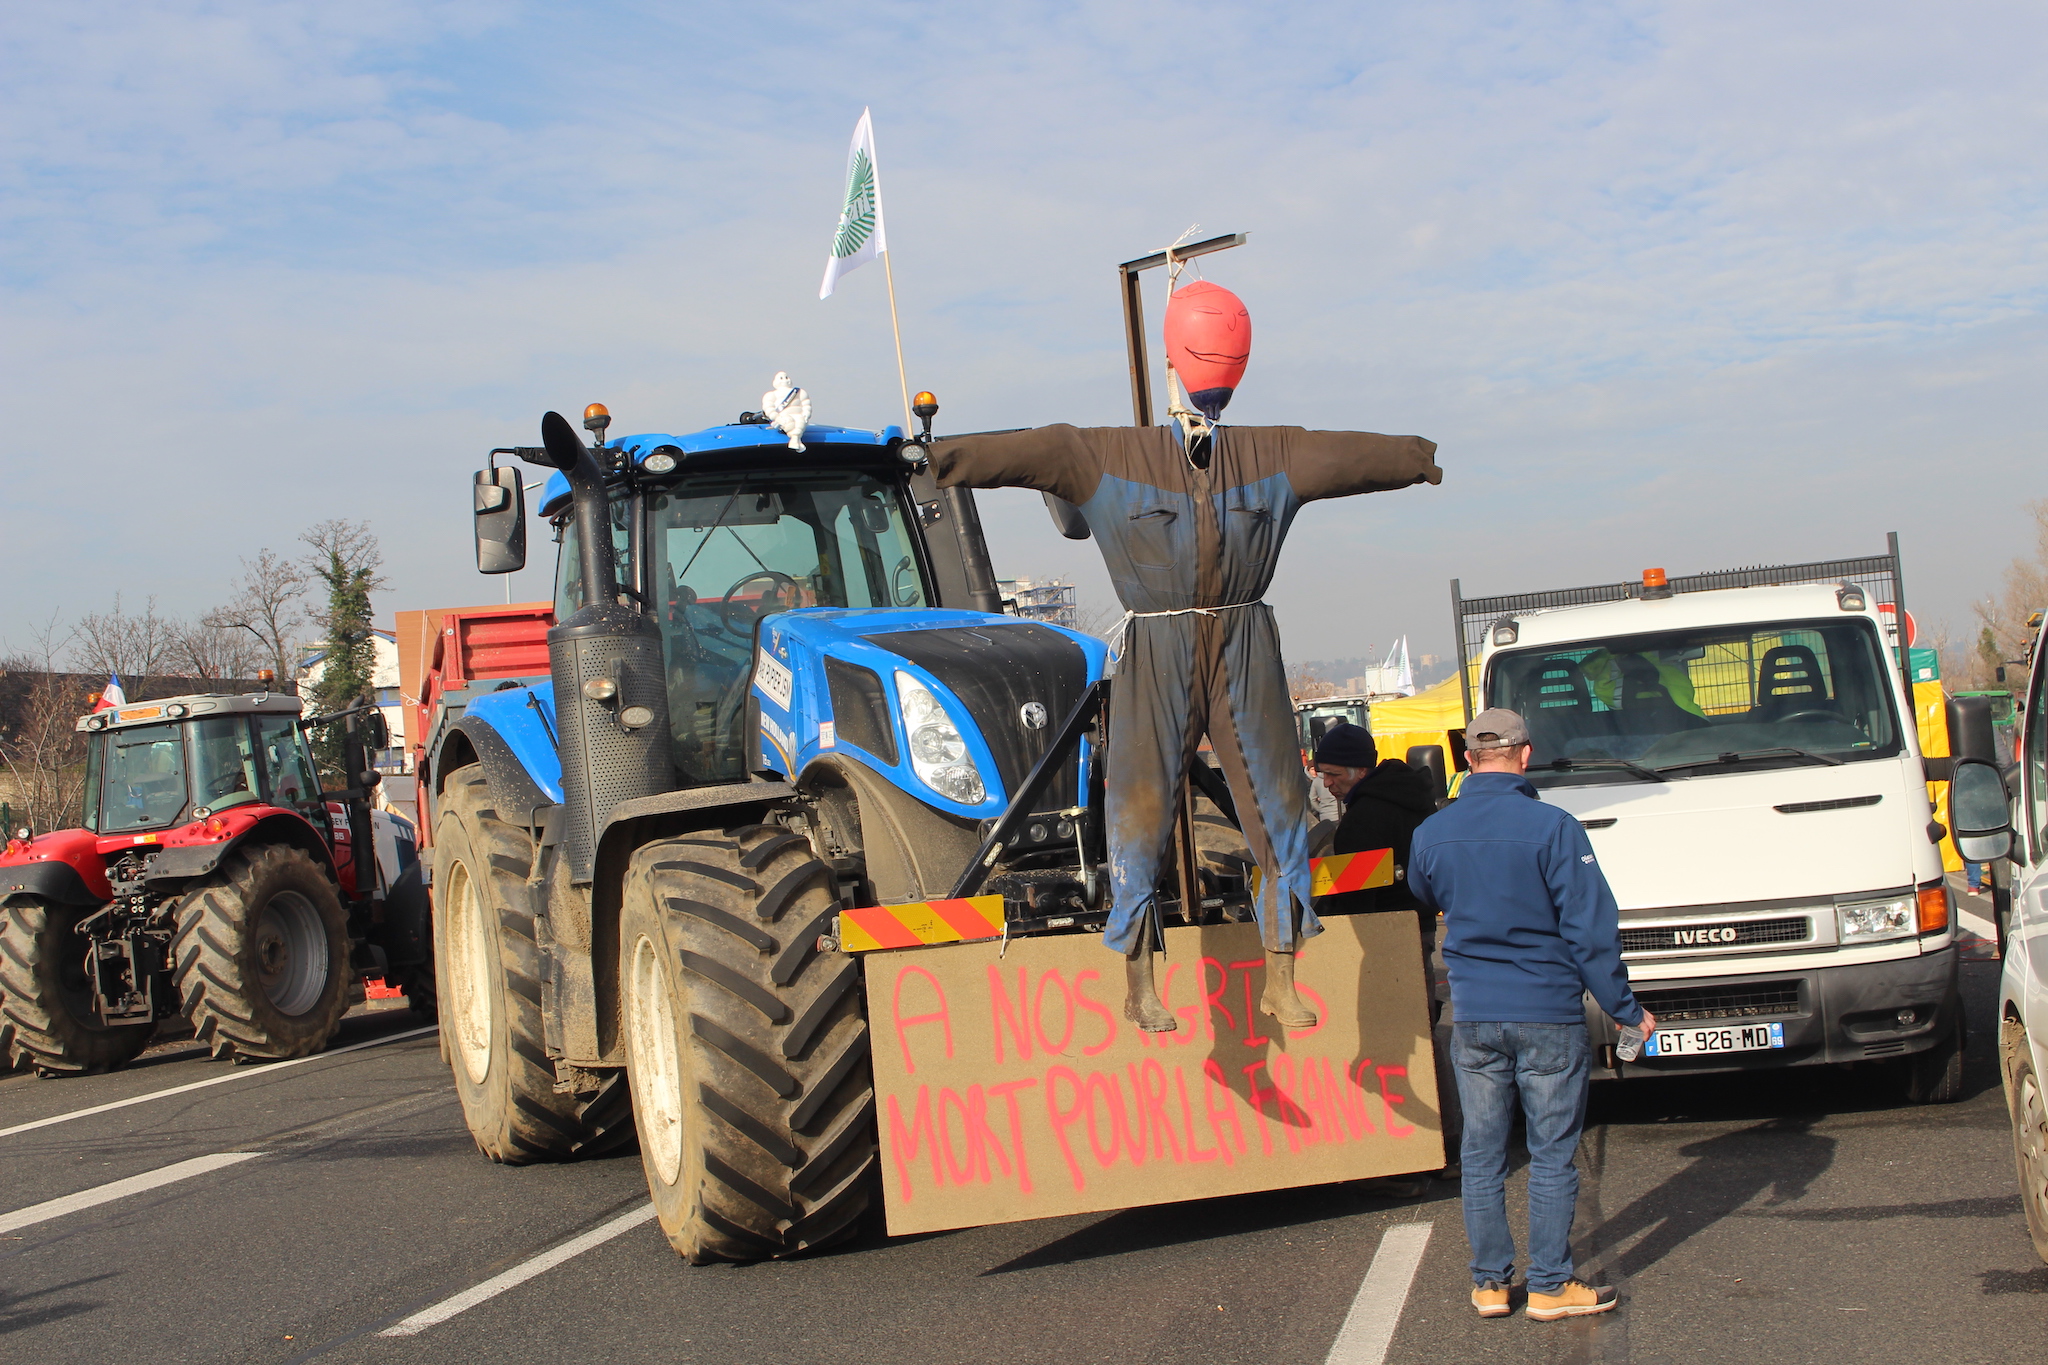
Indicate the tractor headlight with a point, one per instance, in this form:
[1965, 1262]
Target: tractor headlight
[938, 754]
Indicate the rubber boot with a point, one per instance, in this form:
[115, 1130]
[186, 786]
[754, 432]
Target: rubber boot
[1141, 997]
[1279, 998]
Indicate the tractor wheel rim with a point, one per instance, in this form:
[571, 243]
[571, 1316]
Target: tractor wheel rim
[291, 953]
[655, 1068]
[468, 986]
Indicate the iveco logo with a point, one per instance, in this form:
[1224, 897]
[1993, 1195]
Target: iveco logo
[1686, 937]
[1033, 715]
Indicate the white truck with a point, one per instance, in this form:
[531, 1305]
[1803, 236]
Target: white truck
[1740, 747]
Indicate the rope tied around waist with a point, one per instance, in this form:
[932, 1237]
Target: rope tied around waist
[1116, 636]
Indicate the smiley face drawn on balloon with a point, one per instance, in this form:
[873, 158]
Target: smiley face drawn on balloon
[1208, 342]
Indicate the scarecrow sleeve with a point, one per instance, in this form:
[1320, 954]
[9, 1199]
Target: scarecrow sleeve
[1054, 459]
[1336, 464]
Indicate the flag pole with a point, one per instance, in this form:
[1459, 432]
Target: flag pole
[902, 377]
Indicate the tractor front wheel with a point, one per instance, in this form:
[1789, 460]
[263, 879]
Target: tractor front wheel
[262, 956]
[746, 1045]
[46, 1016]
[487, 972]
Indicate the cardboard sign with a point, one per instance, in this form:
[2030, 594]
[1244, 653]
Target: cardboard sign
[1013, 1087]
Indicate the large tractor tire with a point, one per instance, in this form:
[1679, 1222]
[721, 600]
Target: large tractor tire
[46, 1015]
[747, 1047]
[487, 975]
[261, 956]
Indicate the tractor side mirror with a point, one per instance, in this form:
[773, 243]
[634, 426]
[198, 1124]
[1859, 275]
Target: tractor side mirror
[500, 520]
[1979, 810]
[376, 733]
[1067, 517]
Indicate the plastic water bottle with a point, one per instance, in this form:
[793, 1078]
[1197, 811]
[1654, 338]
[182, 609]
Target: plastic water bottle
[1630, 1045]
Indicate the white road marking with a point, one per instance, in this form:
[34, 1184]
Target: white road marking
[240, 1073]
[1369, 1327]
[120, 1189]
[518, 1274]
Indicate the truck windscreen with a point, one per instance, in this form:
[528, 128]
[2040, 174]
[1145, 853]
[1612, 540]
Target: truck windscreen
[1688, 702]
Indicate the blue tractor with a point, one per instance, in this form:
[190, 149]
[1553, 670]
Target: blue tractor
[780, 686]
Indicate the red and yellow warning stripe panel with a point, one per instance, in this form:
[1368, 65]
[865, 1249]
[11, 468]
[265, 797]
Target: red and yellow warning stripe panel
[920, 922]
[1345, 872]
[1351, 871]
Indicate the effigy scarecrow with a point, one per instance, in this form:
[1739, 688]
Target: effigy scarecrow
[1190, 517]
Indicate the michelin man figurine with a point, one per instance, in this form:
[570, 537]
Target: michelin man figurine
[788, 409]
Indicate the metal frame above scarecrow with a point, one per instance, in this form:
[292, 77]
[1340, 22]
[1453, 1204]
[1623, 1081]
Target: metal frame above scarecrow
[1134, 313]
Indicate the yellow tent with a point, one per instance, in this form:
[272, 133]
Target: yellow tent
[1400, 723]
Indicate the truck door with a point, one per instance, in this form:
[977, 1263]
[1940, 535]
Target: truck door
[2030, 897]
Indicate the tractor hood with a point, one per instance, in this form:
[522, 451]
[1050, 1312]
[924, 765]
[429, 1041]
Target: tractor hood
[953, 707]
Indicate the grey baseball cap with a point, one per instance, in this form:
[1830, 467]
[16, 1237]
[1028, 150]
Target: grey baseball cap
[1496, 728]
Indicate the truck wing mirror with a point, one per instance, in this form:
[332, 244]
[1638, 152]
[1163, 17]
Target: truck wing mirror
[1429, 758]
[376, 733]
[1980, 810]
[500, 520]
[1067, 517]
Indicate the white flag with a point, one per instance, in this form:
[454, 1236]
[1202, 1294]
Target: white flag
[859, 236]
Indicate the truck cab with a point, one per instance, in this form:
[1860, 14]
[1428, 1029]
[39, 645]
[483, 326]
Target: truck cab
[1744, 760]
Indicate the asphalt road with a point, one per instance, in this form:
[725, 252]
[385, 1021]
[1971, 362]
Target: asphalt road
[1800, 1217]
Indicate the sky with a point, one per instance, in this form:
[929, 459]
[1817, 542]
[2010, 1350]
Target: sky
[1686, 285]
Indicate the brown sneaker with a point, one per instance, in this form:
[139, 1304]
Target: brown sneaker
[1491, 1299]
[1572, 1300]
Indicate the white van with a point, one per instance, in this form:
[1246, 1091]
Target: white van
[2023, 982]
[1741, 750]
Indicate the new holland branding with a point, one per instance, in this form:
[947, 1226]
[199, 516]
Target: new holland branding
[1033, 715]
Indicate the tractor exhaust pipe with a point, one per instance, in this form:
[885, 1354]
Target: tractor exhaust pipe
[611, 689]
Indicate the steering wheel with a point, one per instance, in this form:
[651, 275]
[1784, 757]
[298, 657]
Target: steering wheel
[901, 595]
[231, 781]
[725, 608]
[1808, 717]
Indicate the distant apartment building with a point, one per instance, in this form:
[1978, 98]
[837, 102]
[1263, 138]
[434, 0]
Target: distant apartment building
[1050, 600]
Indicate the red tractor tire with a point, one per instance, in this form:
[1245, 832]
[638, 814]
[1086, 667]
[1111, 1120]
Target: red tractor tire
[261, 955]
[46, 1014]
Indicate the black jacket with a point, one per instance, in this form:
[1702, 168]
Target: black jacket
[1382, 811]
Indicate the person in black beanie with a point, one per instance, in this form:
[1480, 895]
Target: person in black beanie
[1383, 803]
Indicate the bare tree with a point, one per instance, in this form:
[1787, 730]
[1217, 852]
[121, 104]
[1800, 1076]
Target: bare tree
[2002, 634]
[1303, 685]
[209, 651]
[134, 645]
[43, 756]
[266, 610]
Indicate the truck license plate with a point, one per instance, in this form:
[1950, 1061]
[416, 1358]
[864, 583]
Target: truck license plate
[1690, 1042]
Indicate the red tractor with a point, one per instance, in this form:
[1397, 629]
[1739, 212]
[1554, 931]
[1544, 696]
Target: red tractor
[212, 878]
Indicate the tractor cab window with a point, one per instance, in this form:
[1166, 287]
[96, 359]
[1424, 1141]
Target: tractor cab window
[287, 766]
[142, 782]
[569, 571]
[731, 550]
[223, 763]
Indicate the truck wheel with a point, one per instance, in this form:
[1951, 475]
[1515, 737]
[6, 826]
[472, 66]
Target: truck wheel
[747, 1047]
[487, 972]
[46, 1015]
[2030, 1144]
[1220, 846]
[261, 956]
[1936, 1075]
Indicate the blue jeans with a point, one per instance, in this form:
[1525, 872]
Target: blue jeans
[1545, 1068]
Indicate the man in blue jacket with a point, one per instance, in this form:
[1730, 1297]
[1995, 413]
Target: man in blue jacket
[1530, 927]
